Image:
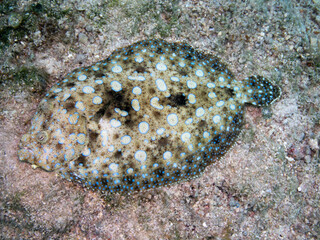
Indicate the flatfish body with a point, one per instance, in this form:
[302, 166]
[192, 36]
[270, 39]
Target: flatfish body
[151, 114]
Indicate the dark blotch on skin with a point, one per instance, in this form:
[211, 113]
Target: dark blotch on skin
[93, 136]
[140, 69]
[152, 91]
[153, 160]
[69, 105]
[225, 109]
[119, 100]
[118, 154]
[115, 96]
[202, 124]
[178, 100]
[59, 146]
[129, 122]
[99, 74]
[163, 142]
[70, 84]
[116, 136]
[100, 113]
[113, 100]
[156, 114]
[183, 73]
[81, 160]
[230, 92]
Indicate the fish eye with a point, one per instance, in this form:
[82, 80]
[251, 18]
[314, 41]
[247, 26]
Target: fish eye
[42, 137]
[44, 106]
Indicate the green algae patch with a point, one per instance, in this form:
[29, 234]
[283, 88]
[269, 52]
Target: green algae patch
[28, 78]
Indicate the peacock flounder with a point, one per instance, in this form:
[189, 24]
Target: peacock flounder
[151, 114]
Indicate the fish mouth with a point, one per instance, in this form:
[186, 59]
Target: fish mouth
[26, 155]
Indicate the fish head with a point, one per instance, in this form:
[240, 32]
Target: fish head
[57, 136]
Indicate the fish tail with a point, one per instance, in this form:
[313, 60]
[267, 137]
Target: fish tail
[259, 91]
